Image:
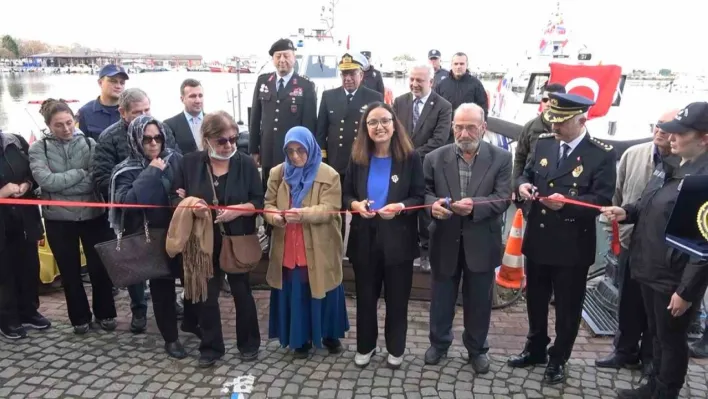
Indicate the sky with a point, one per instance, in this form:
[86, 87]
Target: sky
[632, 33]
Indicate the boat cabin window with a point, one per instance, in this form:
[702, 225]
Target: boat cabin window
[534, 90]
[317, 66]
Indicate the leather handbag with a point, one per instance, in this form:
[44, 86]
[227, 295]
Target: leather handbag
[137, 257]
[241, 253]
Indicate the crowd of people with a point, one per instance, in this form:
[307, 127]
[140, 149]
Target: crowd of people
[418, 179]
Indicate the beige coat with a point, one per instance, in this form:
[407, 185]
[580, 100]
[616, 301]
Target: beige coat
[324, 260]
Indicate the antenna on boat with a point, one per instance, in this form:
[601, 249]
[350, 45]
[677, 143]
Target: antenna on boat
[327, 16]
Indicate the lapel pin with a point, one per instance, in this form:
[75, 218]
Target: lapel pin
[577, 171]
[544, 162]
[394, 178]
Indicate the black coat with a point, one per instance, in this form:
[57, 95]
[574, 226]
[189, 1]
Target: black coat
[15, 168]
[374, 80]
[398, 236]
[338, 123]
[466, 89]
[243, 185]
[273, 114]
[182, 132]
[567, 237]
[651, 260]
[433, 128]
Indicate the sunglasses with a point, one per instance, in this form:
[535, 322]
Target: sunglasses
[544, 99]
[224, 140]
[150, 139]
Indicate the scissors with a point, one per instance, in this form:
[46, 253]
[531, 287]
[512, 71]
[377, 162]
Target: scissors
[367, 205]
[447, 203]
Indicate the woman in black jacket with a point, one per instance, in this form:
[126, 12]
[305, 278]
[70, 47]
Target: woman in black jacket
[20, 229]
[236, 180]
[384, 176]
[672, 282]
[146, 177]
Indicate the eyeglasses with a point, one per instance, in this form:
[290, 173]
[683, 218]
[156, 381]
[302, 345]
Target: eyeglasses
[374, 123]
[223, 140]
[299, 151]
[150, 139]
[474, 129]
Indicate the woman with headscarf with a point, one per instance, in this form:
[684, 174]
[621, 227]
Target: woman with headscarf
[307, 305]
[145, 178]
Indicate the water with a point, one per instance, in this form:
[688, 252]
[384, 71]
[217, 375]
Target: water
[642, 103]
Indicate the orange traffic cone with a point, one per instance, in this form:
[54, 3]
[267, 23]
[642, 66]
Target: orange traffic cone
[511, 272]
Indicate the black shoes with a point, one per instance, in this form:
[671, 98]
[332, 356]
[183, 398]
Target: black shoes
[206, 361]
[618, 361]
[13, 332]
[108, 324]
[555, 373]
[191, 329]
[138, 324]
[175, 349]
[303, 352]
[334, 346]
[250, 355]
[433, 355]
[36, 321]
[526, 359]
[480, 363]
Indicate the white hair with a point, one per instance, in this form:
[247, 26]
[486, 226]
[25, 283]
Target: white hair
[131, 96]
[426, 67]
[469, 107]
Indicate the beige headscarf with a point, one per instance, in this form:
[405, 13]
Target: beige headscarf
[193, 237]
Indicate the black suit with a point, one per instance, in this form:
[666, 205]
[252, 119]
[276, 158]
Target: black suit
[382, 252]
[560, 245]
[374, 80]
[183, 133]
[466, 248]
[274, 113]
[430, 132]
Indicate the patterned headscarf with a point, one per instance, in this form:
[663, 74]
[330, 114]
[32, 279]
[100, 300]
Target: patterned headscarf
[136, 131]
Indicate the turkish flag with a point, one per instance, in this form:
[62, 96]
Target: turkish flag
[596, 82]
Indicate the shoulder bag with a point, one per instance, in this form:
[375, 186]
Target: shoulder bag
[136, 257]
[239, 254]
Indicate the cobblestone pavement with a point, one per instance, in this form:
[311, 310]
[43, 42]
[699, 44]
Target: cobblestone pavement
[56, 363]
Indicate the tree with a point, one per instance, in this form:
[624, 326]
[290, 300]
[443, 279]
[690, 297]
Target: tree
[32, 47]
[403, 57]
[10, 44]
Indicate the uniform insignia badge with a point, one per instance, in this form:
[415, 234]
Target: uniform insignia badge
[432, 102]
[297, 92]
[544, 162]
[394, 178]
[294, 81]
[573, 192]
[577, 171]
[270, 79]
[293, 108]
[703, 220]
[374, 74]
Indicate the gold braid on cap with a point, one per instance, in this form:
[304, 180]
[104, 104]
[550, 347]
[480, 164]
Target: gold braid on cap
[702, 220]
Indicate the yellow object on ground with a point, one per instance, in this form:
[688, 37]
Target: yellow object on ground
[48, 270]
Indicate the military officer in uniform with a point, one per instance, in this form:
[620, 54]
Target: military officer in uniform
[372, 77]
[340, 114]
[281, 100]
[559, 242]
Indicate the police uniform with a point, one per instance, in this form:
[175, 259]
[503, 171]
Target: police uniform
[339, 118]
[372, 77]
[560, 245]
[275, 112]
[93, 118]
[441, 73]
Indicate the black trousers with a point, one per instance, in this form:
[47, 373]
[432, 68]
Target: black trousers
[670, 339]
[19, 278]
[476, 305]
[396, 280]
[633, 327]
[63, 238]
[567, 283]
[248, 336]
[424, 221]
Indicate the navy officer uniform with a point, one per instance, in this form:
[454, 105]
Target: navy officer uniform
[93, 118]
[560, 245]
[279, 104]
[372, 77]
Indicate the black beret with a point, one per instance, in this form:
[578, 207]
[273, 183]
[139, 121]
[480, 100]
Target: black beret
[281, 45]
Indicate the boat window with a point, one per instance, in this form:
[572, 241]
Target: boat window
[534, 90]
[321, 66]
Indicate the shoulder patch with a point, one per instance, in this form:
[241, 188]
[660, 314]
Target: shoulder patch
[546, 135]
[600, 144]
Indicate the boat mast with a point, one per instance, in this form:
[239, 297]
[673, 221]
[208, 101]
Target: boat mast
[327, 17]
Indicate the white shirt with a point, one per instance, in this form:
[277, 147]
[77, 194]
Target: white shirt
[285, 78]
[195, 123]
[421, 103]
[348, 93]
[572, 144]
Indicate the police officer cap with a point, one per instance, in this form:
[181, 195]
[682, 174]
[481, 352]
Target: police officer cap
[281, 45]
[366, 54]
[111, 70]
[692, 118]
[433, 54]
[352, 61]
[565, 106]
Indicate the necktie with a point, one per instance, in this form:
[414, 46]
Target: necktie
[281, 83]
[416, 112]
[349, 97]
[196, 127]
[566, 150]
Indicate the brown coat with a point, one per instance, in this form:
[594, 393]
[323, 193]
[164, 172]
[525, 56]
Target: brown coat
[324, 260]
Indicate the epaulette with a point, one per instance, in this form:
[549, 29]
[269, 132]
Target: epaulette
[546, 135]
[600, 144]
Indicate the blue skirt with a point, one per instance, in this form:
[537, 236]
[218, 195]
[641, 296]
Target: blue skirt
[297, 319]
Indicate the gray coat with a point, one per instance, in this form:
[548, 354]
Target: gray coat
[481, 231]
[61, 169]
